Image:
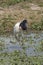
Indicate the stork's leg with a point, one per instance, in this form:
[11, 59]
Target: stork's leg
[17, 36]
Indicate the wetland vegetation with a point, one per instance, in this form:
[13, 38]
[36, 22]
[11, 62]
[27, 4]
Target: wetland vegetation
[29, 49]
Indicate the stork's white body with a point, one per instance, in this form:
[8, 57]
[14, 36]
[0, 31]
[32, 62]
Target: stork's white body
[19, 27]
[16, 27]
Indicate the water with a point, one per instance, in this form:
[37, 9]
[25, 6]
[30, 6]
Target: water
[31, 43]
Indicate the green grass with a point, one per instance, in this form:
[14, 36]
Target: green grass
[9, 2]
[37, 25]
[6, 24]
[4, 3]
[18, 58]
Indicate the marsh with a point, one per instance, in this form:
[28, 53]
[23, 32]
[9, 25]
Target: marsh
[28, 48]
[31, 43]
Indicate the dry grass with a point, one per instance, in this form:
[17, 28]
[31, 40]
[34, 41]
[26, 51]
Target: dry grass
[15, 13]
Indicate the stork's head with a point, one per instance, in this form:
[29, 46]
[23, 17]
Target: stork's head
[23, 25]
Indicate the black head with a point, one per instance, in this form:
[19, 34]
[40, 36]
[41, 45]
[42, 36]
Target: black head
[23, 25]
[24, 21]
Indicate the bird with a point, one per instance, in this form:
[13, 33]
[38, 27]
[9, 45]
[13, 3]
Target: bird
[20, 26]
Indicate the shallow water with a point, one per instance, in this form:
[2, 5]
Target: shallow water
[31, 43]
